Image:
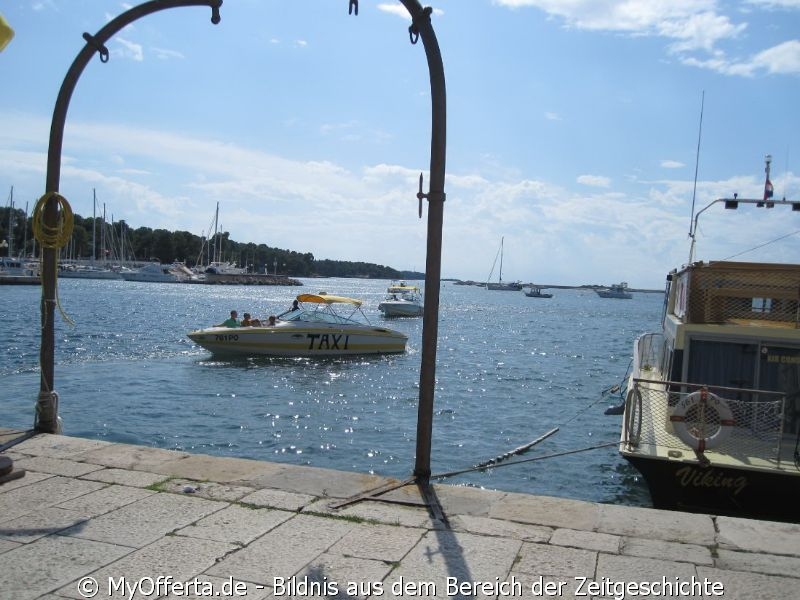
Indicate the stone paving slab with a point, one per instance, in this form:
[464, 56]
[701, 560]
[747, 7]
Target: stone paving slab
[55, 466]
[209, 490]
[759, 536]
[145, 521]
[749, 586]
[467, 557]
[34, 525]
[168, 555]
[25, 499]
[141, 479]
[283, 551]
[52, 562]
[235, 524]
[648, 548]
[60, 446]
[278, 499]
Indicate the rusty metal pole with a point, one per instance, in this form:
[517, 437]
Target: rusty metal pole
[46, 407]
[421, 26]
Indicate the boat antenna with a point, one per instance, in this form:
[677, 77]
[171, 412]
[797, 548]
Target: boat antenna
[697, 164]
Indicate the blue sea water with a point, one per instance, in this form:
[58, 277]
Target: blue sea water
[509, 369]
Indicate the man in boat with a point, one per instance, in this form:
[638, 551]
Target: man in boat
[233, 321]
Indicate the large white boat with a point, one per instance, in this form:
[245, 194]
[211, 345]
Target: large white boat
[80, 271]
[712, 410]
[617, 290]
[316, 328]
[15, 271]
[406, 303]
[159, 273]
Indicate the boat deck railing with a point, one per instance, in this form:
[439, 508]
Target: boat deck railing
[752, 421]
[731, 292]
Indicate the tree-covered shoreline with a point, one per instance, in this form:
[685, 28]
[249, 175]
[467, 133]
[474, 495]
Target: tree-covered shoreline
[117, 242]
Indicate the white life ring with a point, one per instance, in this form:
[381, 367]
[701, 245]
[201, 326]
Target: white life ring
[687, 436]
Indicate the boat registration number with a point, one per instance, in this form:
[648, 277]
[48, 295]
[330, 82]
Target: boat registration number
[226, 337]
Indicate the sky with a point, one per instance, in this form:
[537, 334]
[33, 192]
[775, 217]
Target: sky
[574, 129]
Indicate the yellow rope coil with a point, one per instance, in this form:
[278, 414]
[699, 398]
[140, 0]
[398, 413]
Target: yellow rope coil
[48, 236]
[51, 237]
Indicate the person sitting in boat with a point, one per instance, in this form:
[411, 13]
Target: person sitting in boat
[246, 320]
[295, 305]
[233, 321]
[271, 321]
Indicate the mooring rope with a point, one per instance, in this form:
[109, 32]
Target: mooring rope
[524, 460]
[53, 237]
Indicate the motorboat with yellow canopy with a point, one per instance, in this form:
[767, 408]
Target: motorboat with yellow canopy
[320, 325]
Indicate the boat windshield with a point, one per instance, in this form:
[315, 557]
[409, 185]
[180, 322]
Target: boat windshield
[315, 316]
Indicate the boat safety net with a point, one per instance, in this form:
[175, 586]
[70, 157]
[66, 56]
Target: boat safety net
[748, 429]
[739, 292]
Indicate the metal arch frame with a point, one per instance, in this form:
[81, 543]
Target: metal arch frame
[47, 412]
[46, 405]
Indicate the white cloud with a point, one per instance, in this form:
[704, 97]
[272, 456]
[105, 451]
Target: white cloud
[776, 3]
[399, 10]
[164, 54]
[781, 59]
[129, 49]
[691, 26]
[594, 181]
[672, 164]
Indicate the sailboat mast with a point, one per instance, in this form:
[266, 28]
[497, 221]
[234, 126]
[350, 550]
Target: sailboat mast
[216, 223]
[501, 259]
[11, 223]
[94, 224]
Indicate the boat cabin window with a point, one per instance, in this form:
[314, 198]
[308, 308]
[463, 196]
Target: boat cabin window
[761, 305]
[749, 365]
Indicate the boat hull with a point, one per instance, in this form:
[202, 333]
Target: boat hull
[400, 309]
[719, 490]
[620, 295]
[304, 340]
[504, 287]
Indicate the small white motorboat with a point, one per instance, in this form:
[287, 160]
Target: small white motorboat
[407, 303]
[314, 328]
[617, 290]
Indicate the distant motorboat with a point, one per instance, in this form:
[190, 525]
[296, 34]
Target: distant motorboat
[314, 328]
[407, 303]
[14, 271]
[155, 272]
[536, 292]
[87, 272]
[617, 290]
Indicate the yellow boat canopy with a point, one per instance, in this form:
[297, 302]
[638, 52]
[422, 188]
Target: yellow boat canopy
[323, 298]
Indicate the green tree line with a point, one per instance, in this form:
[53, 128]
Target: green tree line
[117, 242]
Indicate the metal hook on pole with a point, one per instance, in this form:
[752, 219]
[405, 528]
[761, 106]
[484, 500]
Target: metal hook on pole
[430, 195]
[101, 48]
[413, 29]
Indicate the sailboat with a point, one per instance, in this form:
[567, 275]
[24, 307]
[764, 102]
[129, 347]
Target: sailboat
[499, 285]
[80, 270]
